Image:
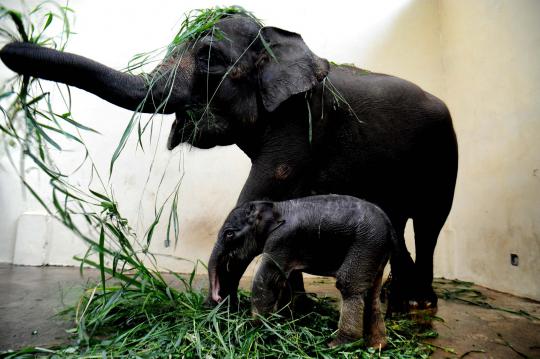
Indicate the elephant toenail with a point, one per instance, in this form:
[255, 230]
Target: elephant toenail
[413, 304]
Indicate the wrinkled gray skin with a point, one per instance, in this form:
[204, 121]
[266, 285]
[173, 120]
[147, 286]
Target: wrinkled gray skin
[339, 236]
[391, 142]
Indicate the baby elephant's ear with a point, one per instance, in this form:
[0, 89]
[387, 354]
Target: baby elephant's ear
[286, 66]
[265, 207]
[263, 212]
[259, 208]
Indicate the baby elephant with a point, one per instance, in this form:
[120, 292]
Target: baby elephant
[339, 236]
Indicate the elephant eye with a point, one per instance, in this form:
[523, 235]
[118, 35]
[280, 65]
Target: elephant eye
[211, 60]
[229, 234]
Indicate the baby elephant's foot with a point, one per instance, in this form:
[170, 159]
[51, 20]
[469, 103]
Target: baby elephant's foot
[342, 339]
[376, 337]
[377, 341]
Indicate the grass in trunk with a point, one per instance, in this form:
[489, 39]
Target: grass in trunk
[133, 311]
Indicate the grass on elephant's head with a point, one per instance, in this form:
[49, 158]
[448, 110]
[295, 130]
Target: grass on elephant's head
[195, 23]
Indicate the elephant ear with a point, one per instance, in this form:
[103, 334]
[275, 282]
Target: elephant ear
[260, 210]
[263, 217]
[287, 67]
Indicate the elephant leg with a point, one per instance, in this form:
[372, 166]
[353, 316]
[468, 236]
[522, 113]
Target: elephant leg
[351, 320]
[402, 272]
[431, 208]
[358, 281]
[294, 297]
[374, 327]
[269, 284]
[426, 232]
[301, 301]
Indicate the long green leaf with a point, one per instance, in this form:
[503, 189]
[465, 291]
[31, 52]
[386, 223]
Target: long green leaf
[102, 258]
[122, 142]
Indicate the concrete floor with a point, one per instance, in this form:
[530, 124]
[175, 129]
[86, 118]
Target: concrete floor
[31, 296]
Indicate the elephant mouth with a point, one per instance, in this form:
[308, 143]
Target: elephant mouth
[180, 130]
[200, 126]
[177, 132]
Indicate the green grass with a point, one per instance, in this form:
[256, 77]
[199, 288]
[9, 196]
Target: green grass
[136, 322]
[128, 320]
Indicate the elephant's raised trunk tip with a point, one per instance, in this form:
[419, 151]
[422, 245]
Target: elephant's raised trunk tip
[10, 53]
[124, 90]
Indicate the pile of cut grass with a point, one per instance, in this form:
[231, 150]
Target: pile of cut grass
[138, 322]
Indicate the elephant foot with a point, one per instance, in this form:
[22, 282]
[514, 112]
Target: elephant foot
[423, 307]
[377, 342]
[209, 303]
[398, 302]
[405, 299]
[424, 299]
[342, 339]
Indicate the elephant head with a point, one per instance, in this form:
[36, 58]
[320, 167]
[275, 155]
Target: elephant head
[219, 83]
[240, 239]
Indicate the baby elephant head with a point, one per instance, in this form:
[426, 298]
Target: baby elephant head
[240, 239]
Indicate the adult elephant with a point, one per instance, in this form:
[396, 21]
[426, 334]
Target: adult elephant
[309, 127]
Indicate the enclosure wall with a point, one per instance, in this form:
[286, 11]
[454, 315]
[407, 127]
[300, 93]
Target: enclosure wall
[491, 57]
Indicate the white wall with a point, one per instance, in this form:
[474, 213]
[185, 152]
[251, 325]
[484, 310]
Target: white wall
[436, 44]
[491, 57]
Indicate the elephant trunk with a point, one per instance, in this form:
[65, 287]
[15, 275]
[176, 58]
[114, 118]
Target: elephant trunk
[213, 279]
[128, 91]
[224, 273]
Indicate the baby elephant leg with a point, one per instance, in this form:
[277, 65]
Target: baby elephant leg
[374, 328]
[350, 327]
[268, 285]
[359, 282]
